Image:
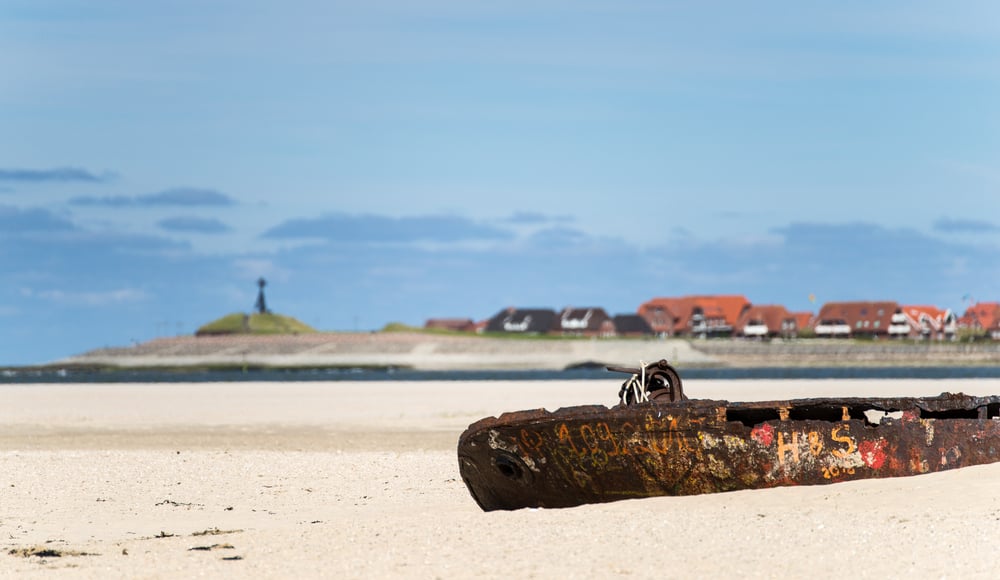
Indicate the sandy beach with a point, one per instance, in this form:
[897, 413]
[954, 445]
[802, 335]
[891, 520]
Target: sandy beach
[360, 480]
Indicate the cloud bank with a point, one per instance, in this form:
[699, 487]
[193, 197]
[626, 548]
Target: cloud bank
[14, 220]
[339, 227]
[58, 174]
[195, 225]
[180, 196]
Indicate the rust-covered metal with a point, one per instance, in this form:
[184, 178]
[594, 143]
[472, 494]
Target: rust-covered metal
[593, 454]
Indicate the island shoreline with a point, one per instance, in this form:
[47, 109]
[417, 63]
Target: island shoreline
[455, 352]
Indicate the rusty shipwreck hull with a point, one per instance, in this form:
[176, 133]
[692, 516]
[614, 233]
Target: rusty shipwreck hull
[594, 454]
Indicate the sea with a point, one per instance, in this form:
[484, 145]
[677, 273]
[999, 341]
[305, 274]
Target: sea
[51, 375]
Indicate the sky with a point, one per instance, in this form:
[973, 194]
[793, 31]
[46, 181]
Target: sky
[394, 161]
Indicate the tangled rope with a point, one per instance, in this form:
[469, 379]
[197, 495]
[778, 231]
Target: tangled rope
[653, 381]
[634, 388]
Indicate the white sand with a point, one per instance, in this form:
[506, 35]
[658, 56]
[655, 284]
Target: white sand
[360, 480]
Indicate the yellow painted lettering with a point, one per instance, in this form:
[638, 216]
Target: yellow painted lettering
[589, 437]
[784, 448]
[530, 442]
[564, 437]
[846, 439]
[815, 443]
[604, 432]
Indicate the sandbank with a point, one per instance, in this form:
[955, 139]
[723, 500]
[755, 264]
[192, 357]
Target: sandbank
[360, 480]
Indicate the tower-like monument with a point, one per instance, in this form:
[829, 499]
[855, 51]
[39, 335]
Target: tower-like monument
[261, 305]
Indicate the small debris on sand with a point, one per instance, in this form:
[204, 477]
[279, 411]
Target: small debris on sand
[215, 532]
[46, 552]
[212, 547]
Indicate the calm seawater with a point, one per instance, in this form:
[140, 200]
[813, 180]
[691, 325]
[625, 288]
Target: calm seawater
[148, 376]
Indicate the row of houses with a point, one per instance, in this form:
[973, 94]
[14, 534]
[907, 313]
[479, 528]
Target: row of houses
[712, 316]
[569, 322]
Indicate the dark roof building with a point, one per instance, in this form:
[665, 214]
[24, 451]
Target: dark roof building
[632, 325]
[584, 321]
[523, 321]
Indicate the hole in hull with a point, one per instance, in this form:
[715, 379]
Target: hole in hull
[508, 467]
[751, 417]
[950, 414]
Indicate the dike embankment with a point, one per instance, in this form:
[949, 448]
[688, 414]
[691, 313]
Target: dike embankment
[420, 351]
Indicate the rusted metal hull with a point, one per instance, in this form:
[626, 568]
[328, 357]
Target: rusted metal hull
[597, 454]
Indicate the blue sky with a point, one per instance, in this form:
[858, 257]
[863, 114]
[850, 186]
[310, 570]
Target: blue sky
[389, 161]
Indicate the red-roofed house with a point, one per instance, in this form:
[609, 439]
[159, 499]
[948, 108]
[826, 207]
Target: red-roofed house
[697, 316]
[771, 321]
[803, 320]
[924, 322]
[983, 316]
[845, 319]
[659, 316]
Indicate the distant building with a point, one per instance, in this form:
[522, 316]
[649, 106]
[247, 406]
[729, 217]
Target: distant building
[524, 321]
[855, 319]
[585, 322]
[659, 317]
[984, 317]
[770, 321]
[710, 316]
[694, 316]
[803, 320]
[631, 325]
[454, 324]
[924, 322]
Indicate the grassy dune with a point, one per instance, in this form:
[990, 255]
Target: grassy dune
[239, 323]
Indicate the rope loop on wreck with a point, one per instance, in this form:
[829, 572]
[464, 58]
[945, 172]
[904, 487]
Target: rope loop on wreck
[634, 389]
